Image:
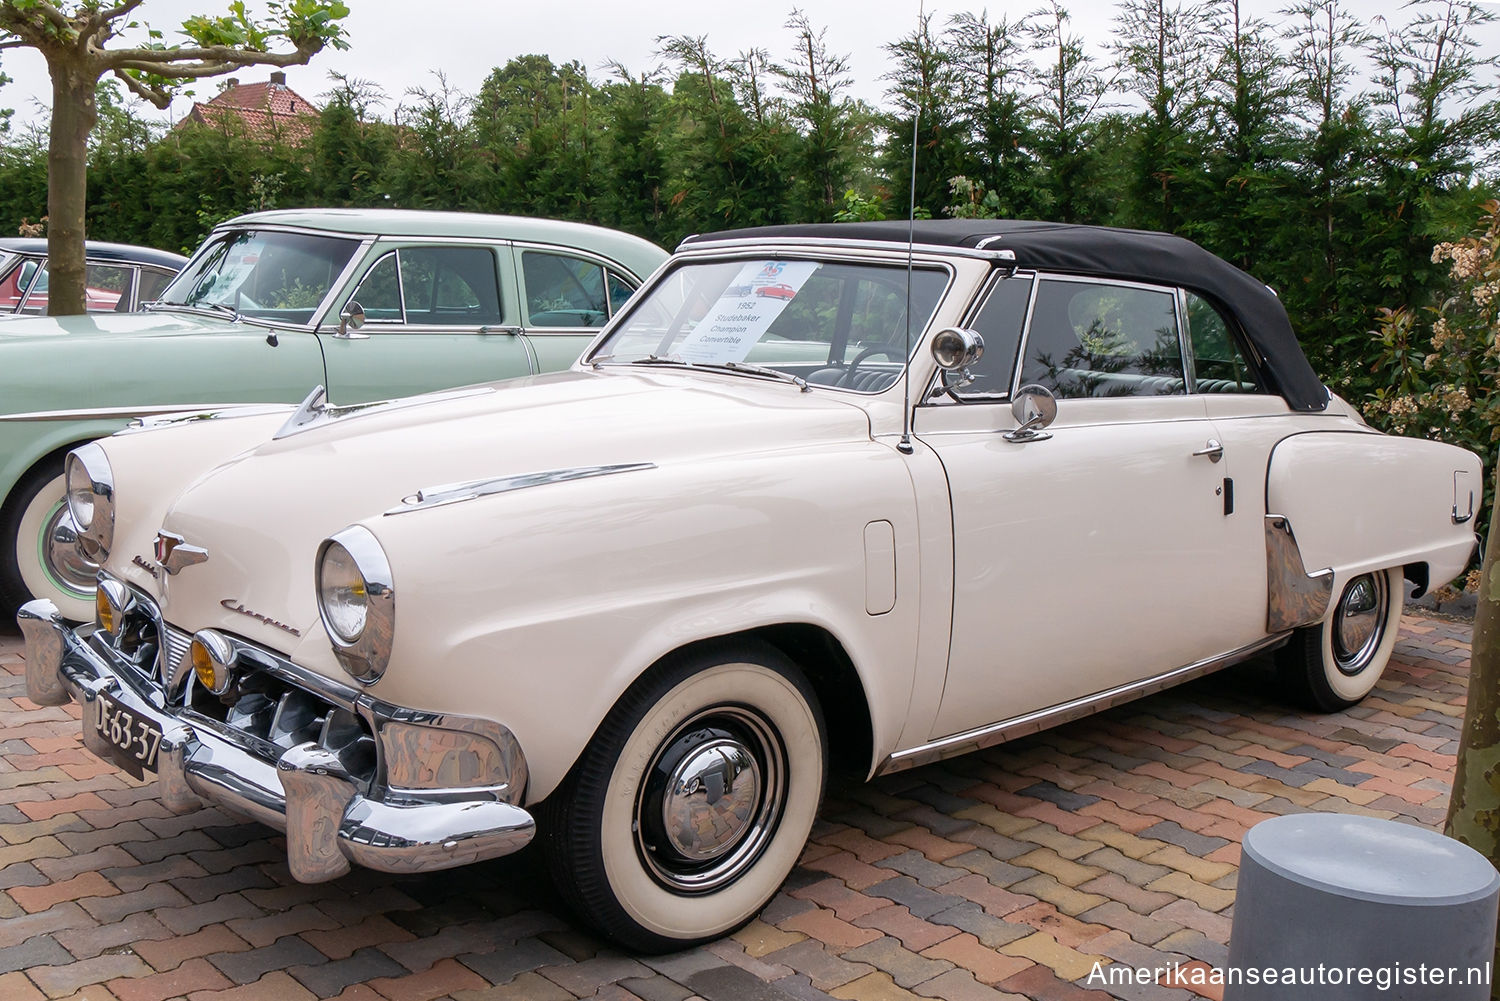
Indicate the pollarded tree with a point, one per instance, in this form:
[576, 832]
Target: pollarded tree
[75, 40]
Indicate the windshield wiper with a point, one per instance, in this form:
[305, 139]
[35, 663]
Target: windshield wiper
[664, 360]
[234, 314]
[771, 373]
[728, 366]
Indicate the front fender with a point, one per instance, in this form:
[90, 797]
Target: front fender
[539, 608]
[153, 466]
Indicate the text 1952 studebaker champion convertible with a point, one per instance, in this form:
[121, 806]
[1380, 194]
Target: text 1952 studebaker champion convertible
[648, 600]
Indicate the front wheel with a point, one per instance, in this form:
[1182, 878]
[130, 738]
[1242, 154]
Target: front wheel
[693, 801]
[38, 558]
[1333, 665]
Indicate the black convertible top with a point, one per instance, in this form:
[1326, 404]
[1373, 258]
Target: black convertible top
[96, 250]
[1100, 251]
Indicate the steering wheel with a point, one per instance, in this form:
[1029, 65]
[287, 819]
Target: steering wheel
[848, 381]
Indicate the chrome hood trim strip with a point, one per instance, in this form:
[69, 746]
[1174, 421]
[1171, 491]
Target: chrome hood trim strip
[112, 413]
[454, 493]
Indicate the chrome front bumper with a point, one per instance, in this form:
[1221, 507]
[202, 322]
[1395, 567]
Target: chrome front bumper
[305, 793]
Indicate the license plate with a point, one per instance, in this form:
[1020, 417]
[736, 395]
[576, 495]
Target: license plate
[134, 739]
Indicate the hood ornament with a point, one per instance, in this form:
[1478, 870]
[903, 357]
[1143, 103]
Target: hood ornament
[173, 553]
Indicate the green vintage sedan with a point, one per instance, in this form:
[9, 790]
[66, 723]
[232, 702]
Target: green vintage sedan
[372, 304]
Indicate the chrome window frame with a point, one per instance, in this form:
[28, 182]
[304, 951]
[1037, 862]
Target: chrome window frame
[415, 242]
[605, 264]
[935, 390]
[822, 251]
[1252, 358]
[1169, 290]
[320, 313]
[400, 286]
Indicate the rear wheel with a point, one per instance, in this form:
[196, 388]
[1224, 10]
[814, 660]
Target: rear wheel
[1335, 664]
[693, 801]
[38, 558]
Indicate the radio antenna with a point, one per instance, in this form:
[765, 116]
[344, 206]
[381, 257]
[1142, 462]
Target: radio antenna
[904, 446]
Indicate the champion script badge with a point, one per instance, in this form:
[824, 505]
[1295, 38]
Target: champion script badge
[140, 562]
[235, 606]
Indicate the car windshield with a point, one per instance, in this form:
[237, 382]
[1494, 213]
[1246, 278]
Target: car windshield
[833, 323]
[267, 275]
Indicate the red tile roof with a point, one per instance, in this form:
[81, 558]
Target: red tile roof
[269, 110]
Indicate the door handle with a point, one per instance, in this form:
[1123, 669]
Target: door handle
[1214, 450]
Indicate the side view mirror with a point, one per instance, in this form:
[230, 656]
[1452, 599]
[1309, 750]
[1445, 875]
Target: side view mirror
[353, 316]
[1034, 408]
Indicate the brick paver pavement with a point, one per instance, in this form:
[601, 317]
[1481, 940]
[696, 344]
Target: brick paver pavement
[1004, 874]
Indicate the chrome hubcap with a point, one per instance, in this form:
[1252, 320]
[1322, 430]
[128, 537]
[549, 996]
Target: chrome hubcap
[1359, 623]
[711, 800]
[61, 558]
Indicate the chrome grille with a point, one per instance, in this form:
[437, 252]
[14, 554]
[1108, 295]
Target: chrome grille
[267, 701]
[176, 648]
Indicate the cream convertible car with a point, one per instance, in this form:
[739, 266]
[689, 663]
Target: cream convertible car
[649, 600]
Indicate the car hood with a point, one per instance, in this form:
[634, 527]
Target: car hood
[262, 514]
[161, 323]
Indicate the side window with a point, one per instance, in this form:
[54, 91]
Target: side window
[153, 284]
[13, 284]
[379, 292]
[999, 322]
[449, 286]
[1219, 365]
[564, 291]
[35, 301]
[620, 289]
[107, 287]
[1094, 339]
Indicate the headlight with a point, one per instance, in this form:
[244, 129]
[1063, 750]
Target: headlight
[91, 499]
[357, 602]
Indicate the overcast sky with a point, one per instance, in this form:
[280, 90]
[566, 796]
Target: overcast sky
[400, 44]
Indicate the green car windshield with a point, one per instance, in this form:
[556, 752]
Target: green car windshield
[263, 274]
[834, 323]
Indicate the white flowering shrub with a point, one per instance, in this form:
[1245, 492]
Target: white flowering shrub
[1440, 364]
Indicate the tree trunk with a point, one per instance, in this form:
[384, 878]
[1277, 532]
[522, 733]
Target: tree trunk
[73, 116]
[1474, 809]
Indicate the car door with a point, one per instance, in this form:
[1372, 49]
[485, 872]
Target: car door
[567, 297]
[1099, 554]
[435, 317]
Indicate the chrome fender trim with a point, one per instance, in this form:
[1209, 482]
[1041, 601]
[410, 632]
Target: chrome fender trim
[1294, 597]
[1042, 719]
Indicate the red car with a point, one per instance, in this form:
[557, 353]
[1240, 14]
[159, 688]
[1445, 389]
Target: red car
[119, 277]
[777, 291]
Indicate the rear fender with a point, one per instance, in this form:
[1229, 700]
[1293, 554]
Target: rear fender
[1360, 501]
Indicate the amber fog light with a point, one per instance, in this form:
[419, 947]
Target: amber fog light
[104, 610]
[213, 658]
[111, 602]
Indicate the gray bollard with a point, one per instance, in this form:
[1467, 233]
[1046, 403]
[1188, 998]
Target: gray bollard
[1358, 908]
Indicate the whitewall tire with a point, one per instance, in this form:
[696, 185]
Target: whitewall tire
[1335, 664]
[693, 800]
[38, 559]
